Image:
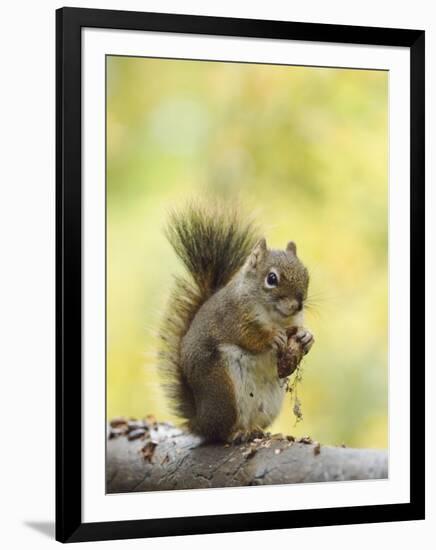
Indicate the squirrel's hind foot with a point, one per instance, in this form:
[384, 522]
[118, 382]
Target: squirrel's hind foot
[245, 436]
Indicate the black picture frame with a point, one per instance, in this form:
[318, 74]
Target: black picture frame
[69, 22]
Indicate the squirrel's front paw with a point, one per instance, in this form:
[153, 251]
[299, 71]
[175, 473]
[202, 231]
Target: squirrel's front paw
[298, 344]
[280, 340]
[305, 338]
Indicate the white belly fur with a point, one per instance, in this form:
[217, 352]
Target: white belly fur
[258, 388]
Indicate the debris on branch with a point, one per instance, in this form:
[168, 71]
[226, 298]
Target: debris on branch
[146, 455]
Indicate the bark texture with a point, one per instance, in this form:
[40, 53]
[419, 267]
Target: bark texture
[160, 457]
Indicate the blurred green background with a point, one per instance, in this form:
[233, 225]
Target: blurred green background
[306, 150]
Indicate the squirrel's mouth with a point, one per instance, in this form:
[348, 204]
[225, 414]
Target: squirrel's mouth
[285, 313]
[289, 307]
[290, 314]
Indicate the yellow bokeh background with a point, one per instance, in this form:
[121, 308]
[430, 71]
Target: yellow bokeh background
[306, 150]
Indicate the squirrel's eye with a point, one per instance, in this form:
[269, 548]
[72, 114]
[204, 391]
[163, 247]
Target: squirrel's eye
[271, 280]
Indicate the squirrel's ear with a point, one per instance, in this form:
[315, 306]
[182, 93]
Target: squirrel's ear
[292, 248]
[257, 254]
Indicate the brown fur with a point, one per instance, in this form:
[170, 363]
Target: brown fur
[226, 307]
[212, 244]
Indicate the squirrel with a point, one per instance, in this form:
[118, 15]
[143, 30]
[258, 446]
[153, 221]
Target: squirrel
[229, 324]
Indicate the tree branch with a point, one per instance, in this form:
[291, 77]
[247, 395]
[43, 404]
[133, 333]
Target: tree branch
[160, 457]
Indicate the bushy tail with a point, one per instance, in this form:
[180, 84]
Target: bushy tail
[213, 244]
